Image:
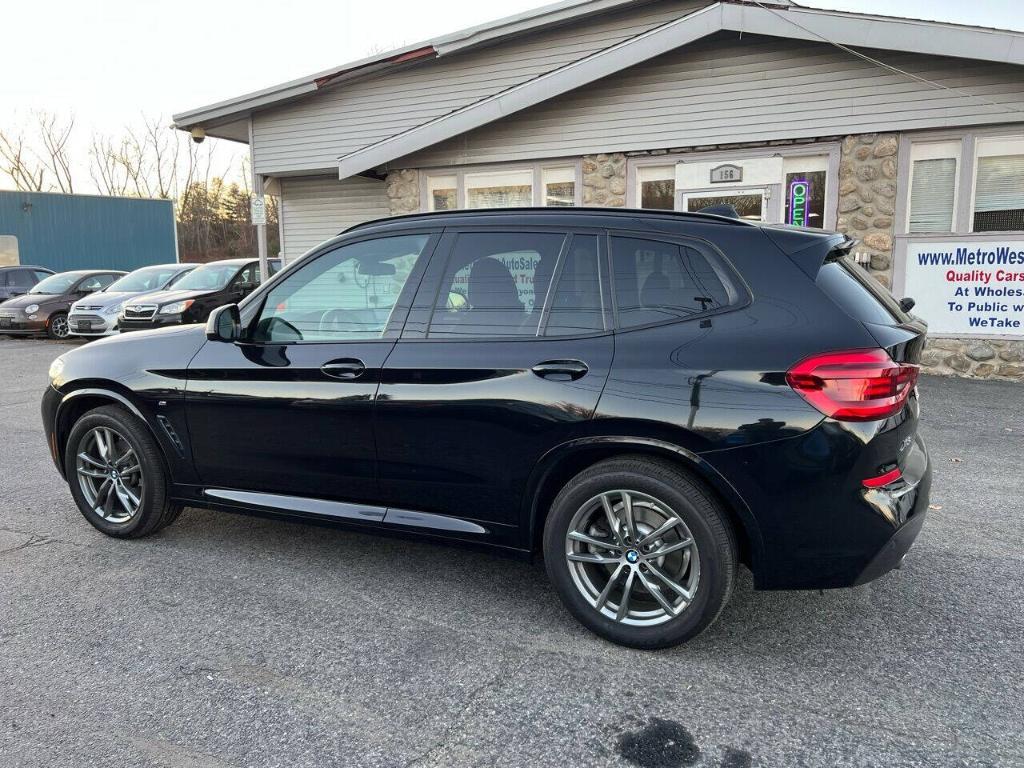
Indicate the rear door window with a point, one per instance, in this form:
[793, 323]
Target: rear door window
[495, 284]
[658, 281]
[576, 301]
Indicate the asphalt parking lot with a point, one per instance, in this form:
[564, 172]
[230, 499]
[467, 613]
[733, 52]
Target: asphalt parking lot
[234, 641]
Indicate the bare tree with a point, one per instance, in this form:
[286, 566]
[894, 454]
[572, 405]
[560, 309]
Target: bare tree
[105, 167]
[56, 156]
[20, 163]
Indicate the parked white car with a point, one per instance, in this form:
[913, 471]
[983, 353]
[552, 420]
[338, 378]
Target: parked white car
[96, 314]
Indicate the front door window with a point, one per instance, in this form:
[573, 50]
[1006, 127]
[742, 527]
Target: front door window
[346, 294]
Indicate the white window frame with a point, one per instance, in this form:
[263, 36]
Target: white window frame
[537, 170]
[991, 146]
[935, 150]
[660, 171]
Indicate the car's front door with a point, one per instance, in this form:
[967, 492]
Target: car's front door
[288, 409]
[504, 357]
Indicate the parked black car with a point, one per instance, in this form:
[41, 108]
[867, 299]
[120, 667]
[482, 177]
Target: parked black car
[648, 398]
[195, 295]
[18, 280]
[44, 309]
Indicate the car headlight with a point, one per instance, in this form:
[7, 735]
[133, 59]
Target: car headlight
[31, 308]
[113, 310]
[177, 307]
[56, 368]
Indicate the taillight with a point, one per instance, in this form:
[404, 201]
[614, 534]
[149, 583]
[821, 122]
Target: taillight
[855, 385]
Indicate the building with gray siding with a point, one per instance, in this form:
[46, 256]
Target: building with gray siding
[906, 134]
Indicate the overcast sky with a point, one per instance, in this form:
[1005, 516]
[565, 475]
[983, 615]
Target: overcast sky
[110, 60]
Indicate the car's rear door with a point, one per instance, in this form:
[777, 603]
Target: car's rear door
[289, 409]
[504, 357]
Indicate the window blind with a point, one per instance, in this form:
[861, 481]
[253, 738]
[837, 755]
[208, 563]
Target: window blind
[999, 193]
[931, 195]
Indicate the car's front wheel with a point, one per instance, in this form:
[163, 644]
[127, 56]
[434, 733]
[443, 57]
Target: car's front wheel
[58, 327]
[117, 475]
[640, 552]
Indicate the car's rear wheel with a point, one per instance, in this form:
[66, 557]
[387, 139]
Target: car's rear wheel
[57, 327]
[640, 552]
[117, 475]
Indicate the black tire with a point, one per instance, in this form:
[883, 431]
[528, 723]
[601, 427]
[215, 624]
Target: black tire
[156, 510]
[57, 321]
[698, 508]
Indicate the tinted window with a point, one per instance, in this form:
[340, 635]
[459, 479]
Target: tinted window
[657, 281]
[495, 283]
[42, 275]
[850, 287]
[20, 278]
[575, 302]
[348, 293]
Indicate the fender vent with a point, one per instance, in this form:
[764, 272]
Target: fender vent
[171, 435]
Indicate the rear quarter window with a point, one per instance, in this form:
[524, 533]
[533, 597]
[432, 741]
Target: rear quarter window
[858, 294]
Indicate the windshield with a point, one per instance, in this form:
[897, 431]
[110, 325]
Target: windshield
[210, 277]
[56, 283]
[145, 279]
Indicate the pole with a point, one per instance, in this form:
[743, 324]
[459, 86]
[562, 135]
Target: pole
[257, 190]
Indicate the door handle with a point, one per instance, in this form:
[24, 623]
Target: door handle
[343, 369]
[561, 370]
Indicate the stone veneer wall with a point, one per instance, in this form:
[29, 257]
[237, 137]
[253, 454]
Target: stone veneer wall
[403, 191]
[604, 180]
[867, 198]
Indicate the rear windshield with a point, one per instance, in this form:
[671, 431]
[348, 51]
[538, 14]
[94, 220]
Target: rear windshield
[861, 296]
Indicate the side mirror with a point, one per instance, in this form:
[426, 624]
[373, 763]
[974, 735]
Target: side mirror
[907, 304]
[224, 324]
[246, 287]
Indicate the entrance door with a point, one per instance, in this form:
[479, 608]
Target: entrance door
[751, 204]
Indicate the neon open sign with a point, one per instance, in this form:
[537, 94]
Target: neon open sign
[799, 191]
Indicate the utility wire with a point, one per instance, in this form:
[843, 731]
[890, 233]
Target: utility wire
[889, 67]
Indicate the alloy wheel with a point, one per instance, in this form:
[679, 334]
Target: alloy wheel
[632, 558]
[59, 327]
[109, 474]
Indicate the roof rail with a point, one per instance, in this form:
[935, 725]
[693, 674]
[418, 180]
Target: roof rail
[705, 215]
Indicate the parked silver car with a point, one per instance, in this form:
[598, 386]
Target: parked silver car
[96, 314]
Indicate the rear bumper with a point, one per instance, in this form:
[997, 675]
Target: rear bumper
[819, 527]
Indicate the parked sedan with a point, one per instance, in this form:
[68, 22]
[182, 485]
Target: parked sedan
[194, 296]
[16, 281]
[44, 309]
[96, 315]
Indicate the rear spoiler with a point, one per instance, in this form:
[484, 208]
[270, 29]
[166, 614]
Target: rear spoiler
[809, 249]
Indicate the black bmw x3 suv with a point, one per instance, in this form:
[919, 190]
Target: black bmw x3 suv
[648, 399]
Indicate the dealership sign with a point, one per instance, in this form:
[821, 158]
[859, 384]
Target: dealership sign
[966, 288]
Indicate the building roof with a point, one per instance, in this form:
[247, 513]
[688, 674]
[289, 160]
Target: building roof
[777, 18]
[224, 115]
